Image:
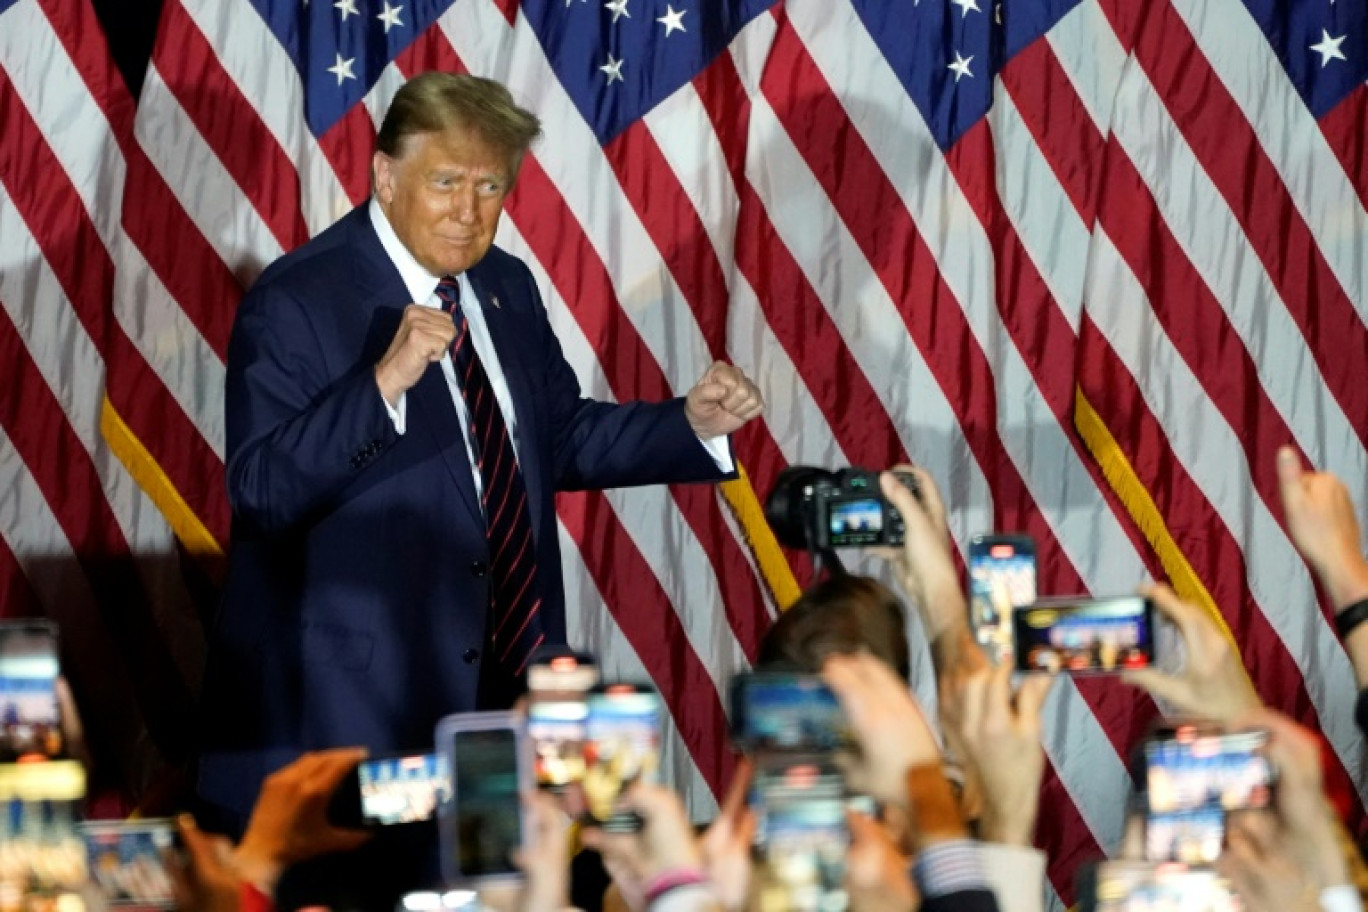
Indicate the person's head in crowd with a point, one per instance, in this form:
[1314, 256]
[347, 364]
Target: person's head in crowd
[446, 155]
[842, 614]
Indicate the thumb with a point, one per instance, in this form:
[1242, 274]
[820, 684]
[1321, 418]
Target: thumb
[1161, 685]
[1289, 469]
[709, 392]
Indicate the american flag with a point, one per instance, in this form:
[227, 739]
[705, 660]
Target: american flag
[1087, 261]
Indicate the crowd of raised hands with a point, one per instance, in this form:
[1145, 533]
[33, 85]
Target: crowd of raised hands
[955, 801]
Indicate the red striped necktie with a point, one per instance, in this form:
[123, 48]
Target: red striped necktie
[513, 628]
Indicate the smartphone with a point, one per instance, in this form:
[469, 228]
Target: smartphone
[30, 717]
[386, 791]
[1002, 575]
[786, 711]
[127, 861]
[558, 717]
[1082, 636]
[481, 820]
[802, 837]
[1193, 777]
[1139, 886]
[623, 747]
[44, 854]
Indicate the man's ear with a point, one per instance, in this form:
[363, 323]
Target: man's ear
[382, 177]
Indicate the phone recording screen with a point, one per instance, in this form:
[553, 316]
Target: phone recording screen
[1084, 636]
[1192, 780]
[30, 720]
[488, 817]
[855, 522]
[1002, 575]
[623, 747]
[1130, 886]
[803, 838]
[127, 861]
[787, 712]
[401, 789]
[558, 728]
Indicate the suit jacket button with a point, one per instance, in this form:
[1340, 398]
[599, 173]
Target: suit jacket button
[479, 568]
[470, 656]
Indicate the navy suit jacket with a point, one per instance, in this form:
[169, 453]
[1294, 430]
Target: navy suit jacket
[354, 611]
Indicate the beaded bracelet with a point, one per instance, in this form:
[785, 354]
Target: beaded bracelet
[1351, 617]
[673, 879]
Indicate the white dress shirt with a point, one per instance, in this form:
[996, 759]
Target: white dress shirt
[422, 289]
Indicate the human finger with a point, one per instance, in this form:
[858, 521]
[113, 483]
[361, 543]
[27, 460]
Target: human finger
[1031, 696]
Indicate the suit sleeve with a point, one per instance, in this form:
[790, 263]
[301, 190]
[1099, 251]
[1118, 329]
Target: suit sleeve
[607, 445]
[297, 433]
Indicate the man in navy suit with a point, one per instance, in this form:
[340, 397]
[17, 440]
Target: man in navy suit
[359, 606]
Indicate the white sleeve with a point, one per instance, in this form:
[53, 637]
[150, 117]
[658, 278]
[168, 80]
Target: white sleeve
[1016, 875]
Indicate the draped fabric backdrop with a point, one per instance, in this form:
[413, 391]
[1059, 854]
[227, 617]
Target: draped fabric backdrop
[1088, 262]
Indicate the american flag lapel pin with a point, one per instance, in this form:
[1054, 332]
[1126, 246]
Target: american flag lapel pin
[494, 300]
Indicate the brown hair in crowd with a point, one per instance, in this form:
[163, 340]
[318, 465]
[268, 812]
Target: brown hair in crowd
[842, 614]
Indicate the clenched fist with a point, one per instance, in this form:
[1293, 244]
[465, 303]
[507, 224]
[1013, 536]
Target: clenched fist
[424, 336]
[721, 401]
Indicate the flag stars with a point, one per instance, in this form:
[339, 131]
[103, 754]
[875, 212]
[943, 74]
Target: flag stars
[672, 20]
[961, 66]
[618, 8]
[1329, 48]
[347, 7]
[342, 69]
[966, 6]
[613, 68]
[390, 16]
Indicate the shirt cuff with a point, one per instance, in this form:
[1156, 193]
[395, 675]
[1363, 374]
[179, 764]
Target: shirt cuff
[1341, 898]
[397, 413]
[949, 867]
[719, 448]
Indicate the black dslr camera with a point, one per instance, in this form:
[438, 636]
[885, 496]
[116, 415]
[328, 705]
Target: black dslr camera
[819, 509]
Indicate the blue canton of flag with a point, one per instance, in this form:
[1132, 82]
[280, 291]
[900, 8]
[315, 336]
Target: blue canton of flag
[619, 59]
[1323, 45]
[947, 53]
[340, 47]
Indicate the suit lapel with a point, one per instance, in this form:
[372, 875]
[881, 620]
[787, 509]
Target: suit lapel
[381, 290]
[503, 324]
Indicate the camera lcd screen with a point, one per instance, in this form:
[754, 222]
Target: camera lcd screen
[1084, 636]
[488, 818]
[401, 789]
[30, 719]
[623, 747]
[787, 712]
[855, 522]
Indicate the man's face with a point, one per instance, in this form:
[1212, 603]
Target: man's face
[443, 194]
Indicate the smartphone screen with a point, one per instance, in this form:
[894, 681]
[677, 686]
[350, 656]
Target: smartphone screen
[1193, 778]
[127, 861]
[1082, 636]
[558, 717]
[802, 837]
[45, 856]
[1137, 886]
[30, 719]
[1002, 575]
[396, 790]
[623, 747]
[782, 711]
[487, 823]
